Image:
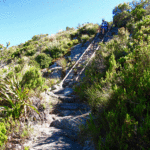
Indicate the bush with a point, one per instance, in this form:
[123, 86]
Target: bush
[121, 19]
[18, 68]
[32, 79]
[26, 148]
[85, 38]
[14, 98]
[63, 63]
[3, 136]
[17, 53]
[44, 60]
[30, 52]
[119, 96]
[35, 37]
[70, 44]
[73, 34]
[75, 41]
[91, 30]
[21, 61]
[10, 75]
[138, 12]
[34, 63]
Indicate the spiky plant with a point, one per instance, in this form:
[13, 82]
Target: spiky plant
[14, 99]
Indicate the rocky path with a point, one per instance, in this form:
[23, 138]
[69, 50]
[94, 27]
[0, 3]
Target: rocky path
[62, 123]
[74, 72]
[61, 128]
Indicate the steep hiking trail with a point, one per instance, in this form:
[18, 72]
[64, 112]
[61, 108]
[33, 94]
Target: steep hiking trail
[62, 126]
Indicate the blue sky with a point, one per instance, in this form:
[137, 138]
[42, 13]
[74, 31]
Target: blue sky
[20, 20]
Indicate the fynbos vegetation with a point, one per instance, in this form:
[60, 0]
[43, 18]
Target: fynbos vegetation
[21, 77]
[119, 95]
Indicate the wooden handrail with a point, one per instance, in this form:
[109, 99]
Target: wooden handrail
[61, 83]
[91, 56]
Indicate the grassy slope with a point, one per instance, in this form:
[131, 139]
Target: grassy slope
[119, 95]
[22, 78]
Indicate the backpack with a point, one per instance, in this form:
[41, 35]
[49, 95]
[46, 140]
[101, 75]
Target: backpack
[104, 23]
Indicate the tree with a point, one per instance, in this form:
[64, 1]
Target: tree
[68, 28]
[121, 14]
[138, 12]
[120, 8]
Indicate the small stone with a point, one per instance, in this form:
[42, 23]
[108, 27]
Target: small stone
[18, 147]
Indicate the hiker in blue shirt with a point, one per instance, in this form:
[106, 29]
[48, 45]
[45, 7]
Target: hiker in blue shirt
[104, 27]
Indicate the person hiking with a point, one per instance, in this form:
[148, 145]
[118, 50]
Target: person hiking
[104, 27]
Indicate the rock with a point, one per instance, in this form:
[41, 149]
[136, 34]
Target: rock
[55, 87]
[35, 101]
[48, 118]
[55, 139]
[65, 113]
[73, 106]
[56, 74]
[67, 99]
[70, 123]
[68, 91]
[89, 145]
[52, 94]
[71, 84]
[18, 147]
[70, 112]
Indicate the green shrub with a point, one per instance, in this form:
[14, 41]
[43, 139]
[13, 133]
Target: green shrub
[73, 35]
[34, 63]
[27, 43]
[17, 53]
[36, 42]
[21, 61]
[26, 148]
[91, 29]
[51, 82]
[122, 18]
[35, 37]
[55, 52]
[30, 52]
[119, 96]
[138, 12]
[70, 44]
[10, 75]
[62, 62]
[18, 68]
[85, 38]
[3, 136]
[14, 99]
[75, 41]
[32, 79]
[44, 60]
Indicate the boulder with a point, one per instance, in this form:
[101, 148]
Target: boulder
[70, 123]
